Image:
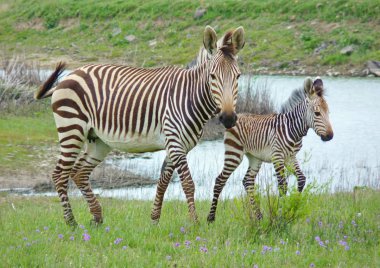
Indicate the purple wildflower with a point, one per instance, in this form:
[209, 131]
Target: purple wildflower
[347, 247]
[107, 229]
[72, 238]
[228, 243]
[60, 236]
[327, 241]
[182, 229]
[298, 252]
[322, 244]
[345, 237]
[342, 243]
[312, 265]
[25, 238]
[198, 238]
[282, 242]
[317, 238]
[203, 249]
[177, 244]
[86, 237]
[307, 220]
[187, 243]
[320, 224]
[81, 226]
[28, 244]
[255, 266]
[168, 257]
[46, 228]
[340, 225]
[117, 241]
[253, 251]
[354, 223]
[171, 235]
[38, 231]
[124, 247]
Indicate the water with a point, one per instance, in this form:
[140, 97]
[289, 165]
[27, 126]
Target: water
[349, 160]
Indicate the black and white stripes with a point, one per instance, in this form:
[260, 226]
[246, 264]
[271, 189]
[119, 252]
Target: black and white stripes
[100, 107]
[275, 138]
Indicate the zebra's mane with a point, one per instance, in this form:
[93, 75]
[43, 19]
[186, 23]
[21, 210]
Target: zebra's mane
[297, 96]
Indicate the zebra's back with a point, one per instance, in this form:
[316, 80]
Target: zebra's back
[123, 106]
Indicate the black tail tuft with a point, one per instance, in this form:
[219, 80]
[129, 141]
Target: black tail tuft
[41, 92]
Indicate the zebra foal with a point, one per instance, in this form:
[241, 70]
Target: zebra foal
[100, 107]
[275, 138]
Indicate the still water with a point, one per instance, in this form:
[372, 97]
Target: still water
[350, 159]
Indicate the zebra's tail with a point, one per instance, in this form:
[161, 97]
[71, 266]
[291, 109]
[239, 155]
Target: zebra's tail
[45, 90]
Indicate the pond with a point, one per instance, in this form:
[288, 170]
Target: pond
[350, 159]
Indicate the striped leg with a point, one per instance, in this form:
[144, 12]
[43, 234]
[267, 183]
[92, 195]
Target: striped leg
[70, 148]
[166, 175]
[279, 166]
[95, 153]
[249, 183]
[301, 179]
[232, 159]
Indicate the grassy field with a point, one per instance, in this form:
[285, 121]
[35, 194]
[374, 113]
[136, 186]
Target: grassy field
[279, 34]
[339, 230]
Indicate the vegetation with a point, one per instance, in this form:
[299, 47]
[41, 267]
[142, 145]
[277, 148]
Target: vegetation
[280, 34]
[338, 230]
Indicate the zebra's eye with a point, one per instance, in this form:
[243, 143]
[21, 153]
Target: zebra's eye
[317, 113]
[237, 77]
[213, 76]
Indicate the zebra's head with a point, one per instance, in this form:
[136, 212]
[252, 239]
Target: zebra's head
[223, 71]
[317, 109]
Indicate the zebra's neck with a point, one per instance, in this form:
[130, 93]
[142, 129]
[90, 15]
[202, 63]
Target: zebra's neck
[296, 121]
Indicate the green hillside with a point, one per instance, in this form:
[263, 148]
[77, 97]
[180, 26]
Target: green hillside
[281, 35]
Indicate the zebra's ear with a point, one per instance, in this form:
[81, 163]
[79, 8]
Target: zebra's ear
[210, 39]
[308, 87]
[238, 40]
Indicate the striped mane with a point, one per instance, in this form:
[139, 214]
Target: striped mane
[297, 96]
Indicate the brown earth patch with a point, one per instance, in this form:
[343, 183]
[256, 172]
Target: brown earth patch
[35, 24]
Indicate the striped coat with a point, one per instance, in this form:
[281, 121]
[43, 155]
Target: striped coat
[100, 107]
[274, 138]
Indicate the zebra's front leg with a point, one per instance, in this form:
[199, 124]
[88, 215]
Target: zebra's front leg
[301, 179]
[232, 159]
[165, 177]
[279, 166]
[249, 184]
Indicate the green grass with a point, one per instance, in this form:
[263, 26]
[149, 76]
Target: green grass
[278, 31]
[229, 241]
[25, 140]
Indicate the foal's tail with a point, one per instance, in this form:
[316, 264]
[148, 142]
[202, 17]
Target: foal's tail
[46, 89]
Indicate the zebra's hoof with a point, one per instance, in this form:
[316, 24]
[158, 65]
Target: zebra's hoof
[71, 222]
[155, 221]
[96, 222]
[259, 216]
[210, 219]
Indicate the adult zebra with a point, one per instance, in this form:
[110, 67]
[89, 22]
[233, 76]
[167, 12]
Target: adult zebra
[275, 138]
[101, 107]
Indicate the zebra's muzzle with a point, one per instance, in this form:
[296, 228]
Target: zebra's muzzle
[228, 120]
[327, 137]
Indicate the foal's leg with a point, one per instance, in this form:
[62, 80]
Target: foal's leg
[95, 153]
[249, 183]
[301, 179]
[278, 160]
[165, 177]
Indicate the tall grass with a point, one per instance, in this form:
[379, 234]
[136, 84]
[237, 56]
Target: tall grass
[19, 79]
[339, 230]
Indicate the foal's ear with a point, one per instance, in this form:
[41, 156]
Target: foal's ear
[238, 39]
[210, 39]
[308, 87]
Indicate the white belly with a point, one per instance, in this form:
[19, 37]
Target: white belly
[151, 142]
[264, 154]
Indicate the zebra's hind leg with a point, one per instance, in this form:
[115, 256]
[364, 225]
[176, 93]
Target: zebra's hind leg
[232, 159]
[165, 177]
[249, 184]
[70, 148]
[94, 153]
